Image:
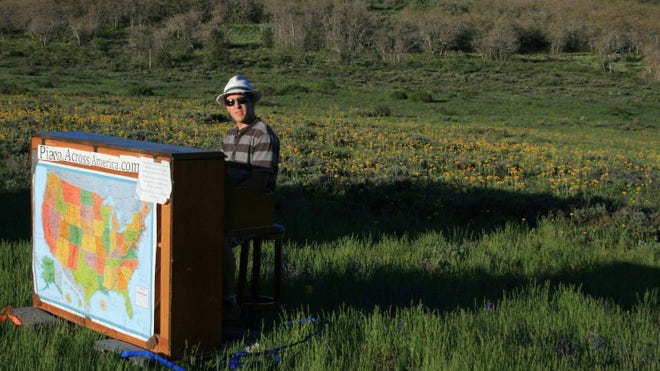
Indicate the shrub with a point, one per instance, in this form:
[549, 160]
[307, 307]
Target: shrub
[267, 38]
[297, 26]
[378, 111]
[421, 96]
[140, 91]
[651, 53]
[215, 45]
[46, 22]
[613, 46]
[15, 172]
[141, 43]
[242, 11]
[349, 28]
[327, 87]
[178, 38]
[396, 38]
[499, 43]
[293, 89]
[399, 95]
[440, 33]
[568, 37]
[532, 38]
[11, 88]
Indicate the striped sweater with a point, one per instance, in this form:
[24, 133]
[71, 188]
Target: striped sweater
[255, 148]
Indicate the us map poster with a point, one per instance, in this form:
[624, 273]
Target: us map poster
[94, 246]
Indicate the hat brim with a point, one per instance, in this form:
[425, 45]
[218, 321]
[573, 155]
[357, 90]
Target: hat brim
[220, 99]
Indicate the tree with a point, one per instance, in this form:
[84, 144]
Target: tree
[499, 43]
[441, 32]
[215, 43]
[82, 19]
[298, 25]
[569, 26]
[651, 53]
[177, 39]
[12, 16]
[243, 11]
[395, 38]
[46, 21]
[349, 27]
[142, 43]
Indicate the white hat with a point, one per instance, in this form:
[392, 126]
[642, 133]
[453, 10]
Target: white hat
[237, 85]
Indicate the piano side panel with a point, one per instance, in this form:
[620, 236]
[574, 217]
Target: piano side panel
[196, 254]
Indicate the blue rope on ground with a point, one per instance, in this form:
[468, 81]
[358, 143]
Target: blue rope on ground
[144, 353]
[235, 361]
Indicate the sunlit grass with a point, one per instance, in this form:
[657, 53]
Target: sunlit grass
[567, 162]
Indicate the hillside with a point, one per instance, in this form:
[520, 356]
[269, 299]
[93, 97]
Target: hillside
[152, 33]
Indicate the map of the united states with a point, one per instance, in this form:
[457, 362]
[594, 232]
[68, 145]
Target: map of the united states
[85, 235]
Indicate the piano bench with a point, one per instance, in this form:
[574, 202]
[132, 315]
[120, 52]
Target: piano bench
[255, 300]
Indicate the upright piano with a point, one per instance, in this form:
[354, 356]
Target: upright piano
[127, 237]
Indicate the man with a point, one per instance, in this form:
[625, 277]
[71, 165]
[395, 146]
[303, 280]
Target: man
[252, 149]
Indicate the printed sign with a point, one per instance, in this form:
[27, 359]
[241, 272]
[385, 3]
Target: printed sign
[94, 243]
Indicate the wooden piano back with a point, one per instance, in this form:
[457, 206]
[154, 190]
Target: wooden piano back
[247, 209]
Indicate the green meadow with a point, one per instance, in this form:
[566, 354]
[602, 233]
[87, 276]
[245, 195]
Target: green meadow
[441, 213]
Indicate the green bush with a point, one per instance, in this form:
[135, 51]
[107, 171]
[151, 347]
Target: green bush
[12, 88]
[267, 37]
[421, 96]
[399, 95]
[140, 91]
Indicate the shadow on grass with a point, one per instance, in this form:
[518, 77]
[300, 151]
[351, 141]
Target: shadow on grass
[391, 209]
[622, 284]
[406, 207]
[15, 218]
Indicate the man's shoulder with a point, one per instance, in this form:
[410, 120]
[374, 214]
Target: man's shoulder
[232, 130]
[260, 128]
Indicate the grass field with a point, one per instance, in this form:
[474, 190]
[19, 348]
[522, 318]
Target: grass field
[441, 213]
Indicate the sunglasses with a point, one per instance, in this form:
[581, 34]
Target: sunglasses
[241, 101]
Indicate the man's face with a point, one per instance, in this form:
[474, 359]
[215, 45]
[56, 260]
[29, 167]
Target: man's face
[240, 107]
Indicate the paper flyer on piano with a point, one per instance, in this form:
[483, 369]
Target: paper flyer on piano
[154, 181]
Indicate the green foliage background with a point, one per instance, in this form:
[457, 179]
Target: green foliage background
[442, 211]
